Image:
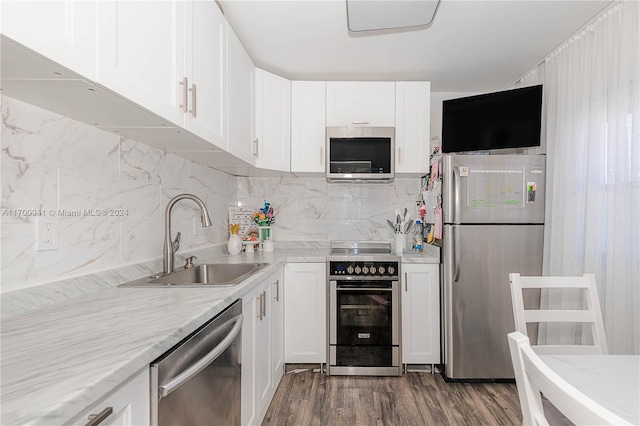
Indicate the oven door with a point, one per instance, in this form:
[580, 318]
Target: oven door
[364, 325]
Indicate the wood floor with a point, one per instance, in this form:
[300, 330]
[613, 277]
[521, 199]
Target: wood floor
[309, 398]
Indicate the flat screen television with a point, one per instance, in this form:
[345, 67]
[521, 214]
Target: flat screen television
[508, 119]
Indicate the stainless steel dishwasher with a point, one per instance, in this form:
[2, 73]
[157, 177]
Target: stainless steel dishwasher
[197, 382]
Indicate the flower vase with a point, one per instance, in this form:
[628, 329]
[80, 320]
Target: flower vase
[266, 234]
[234, 245]
[401, 243]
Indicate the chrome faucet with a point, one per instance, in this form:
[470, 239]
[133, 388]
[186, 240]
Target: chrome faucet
[170, 247]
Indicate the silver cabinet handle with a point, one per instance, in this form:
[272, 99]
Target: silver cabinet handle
[399, 155]
[96, 419]
[361, 122]
[203, 362]
[277, 284]
[321, 156]
[260, 306]
[185, 97]
[264, 303]
[255, 147]
[193, 99]
[406, 288]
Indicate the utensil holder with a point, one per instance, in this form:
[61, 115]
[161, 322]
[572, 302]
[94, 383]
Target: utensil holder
[401, 243]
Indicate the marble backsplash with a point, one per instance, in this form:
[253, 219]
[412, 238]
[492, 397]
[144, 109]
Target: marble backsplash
[52, 163]
[310, 209]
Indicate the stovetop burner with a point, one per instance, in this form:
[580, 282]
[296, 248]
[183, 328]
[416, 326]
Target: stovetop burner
[371, 252]
[360, 248]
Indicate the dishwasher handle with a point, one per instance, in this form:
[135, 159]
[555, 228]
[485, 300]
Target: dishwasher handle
[203, 362]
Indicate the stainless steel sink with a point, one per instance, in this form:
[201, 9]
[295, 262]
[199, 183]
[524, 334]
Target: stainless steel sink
[213, 274]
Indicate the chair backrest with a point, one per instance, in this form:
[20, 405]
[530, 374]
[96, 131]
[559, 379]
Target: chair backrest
[590, 315]
[534, 377]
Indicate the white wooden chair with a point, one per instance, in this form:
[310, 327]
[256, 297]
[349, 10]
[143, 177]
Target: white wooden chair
[534, 377]
[591, 315]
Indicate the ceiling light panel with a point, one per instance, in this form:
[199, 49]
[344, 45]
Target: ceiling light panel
[366, 15]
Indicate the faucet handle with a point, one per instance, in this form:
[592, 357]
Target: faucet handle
[175, 245]
[189, 262]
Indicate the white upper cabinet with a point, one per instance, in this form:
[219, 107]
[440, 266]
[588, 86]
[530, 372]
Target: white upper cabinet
[205, 60]
[413, 126]
[272, 121]
[308, 126]
[174, 68]
[63, 31]
[240, 89]
[147, 66]
[361, 103]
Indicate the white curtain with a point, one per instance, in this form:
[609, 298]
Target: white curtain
[592, 102]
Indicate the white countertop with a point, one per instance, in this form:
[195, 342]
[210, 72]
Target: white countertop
[62, 358]
[58, 360]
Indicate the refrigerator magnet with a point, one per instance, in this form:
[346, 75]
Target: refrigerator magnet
[531, 192]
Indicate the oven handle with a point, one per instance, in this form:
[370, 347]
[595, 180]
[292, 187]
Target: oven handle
[362, 289]
[203, 362]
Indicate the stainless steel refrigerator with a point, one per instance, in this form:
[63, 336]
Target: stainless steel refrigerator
[493, 224]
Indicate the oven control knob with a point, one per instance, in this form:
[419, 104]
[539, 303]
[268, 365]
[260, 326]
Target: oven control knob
[381, 270]
[358, 269]
[365, 269]
[391, 270]
[350, 270]
[372, 270]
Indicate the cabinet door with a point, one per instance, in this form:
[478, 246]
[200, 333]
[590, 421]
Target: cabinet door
[263, 355]
[240, 87]
[305, 332]
[308, 126]
[361, 103]
[273, 121]
[144, 66]
[413, 143]
[276, 323]
[206, 54]
[420, 314]
[129, 403]
[63, 31]
[255, 357]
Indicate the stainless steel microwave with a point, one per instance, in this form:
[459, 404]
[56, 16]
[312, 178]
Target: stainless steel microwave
[363, 154]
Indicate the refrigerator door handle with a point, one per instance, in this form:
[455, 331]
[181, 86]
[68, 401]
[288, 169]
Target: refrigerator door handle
[456, 195]
[456, 253]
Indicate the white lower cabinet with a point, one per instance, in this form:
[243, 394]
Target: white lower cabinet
[262, 348]
[128, 405]
[305, 330]
[420, 313]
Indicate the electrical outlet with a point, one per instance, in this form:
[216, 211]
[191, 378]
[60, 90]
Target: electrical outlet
[47, 233]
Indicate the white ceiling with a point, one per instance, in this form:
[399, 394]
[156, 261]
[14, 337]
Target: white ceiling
[471, 46]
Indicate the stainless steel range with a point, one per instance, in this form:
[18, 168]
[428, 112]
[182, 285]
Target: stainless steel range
[364, 309]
